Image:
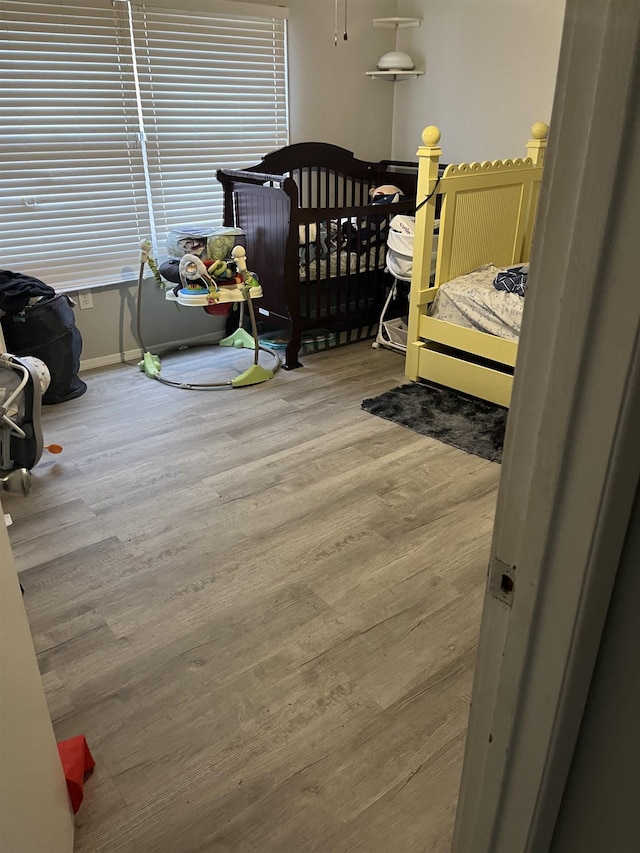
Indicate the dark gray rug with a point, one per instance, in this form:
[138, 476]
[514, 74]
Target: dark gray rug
[449, 416]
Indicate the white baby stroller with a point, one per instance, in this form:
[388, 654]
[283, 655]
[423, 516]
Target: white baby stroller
[22, 383]
[392, 331]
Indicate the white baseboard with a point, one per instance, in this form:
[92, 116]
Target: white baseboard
[136, 354]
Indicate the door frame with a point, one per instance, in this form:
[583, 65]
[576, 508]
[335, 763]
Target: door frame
[571, 462]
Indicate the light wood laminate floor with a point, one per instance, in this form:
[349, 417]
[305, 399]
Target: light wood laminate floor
[260, 606]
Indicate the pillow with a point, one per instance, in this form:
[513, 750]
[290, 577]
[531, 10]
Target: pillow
[513, 279]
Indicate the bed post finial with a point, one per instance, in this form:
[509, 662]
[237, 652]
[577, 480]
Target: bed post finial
[537, 145]
[540, 130]
[431, 136]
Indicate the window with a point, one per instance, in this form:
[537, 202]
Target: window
[115, 117]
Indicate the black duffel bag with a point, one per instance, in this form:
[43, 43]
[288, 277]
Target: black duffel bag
[48, 331]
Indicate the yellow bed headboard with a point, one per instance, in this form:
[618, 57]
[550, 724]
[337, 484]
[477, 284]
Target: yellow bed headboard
[488, 209]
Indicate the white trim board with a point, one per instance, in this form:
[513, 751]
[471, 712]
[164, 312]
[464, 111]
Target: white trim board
[136, 354]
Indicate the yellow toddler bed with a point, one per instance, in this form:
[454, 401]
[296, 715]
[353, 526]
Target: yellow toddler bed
[486, 218]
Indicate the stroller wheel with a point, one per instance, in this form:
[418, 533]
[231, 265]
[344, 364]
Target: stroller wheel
[17, 482]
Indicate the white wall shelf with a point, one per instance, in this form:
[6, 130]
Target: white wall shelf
[397, 23]
[395, 75]
[400, 23]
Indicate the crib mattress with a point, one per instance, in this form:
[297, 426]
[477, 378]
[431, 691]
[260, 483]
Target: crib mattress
[473, 302]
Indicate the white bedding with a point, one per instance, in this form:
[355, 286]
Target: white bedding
[472, 301]
[355, 262]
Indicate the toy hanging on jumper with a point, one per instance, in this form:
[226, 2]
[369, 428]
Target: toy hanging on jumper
[196, 280]
[222, 281]
[193, 272]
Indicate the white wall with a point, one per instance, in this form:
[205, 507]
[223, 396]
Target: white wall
[490, 74]
[109, 328]
[332, 99]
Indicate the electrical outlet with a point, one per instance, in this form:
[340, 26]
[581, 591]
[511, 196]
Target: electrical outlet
[85, 299]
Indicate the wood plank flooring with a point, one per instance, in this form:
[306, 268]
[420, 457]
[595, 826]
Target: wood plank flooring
[259, 605]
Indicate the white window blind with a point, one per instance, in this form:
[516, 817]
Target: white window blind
[213, 93]
[105, 135]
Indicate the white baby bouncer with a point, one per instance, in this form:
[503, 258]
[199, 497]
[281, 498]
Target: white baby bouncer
[200, 289]
[392, 331]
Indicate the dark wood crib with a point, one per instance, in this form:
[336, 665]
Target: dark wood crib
[315, 239]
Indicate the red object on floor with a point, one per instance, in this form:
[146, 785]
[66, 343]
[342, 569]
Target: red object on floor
[77, 761]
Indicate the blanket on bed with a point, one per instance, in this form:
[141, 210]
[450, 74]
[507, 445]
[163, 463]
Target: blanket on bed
[473, 301]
